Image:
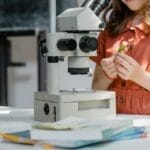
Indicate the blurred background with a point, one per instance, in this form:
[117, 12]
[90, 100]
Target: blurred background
[22, 68]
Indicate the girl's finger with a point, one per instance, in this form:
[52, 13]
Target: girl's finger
[122, 70]
[111, 69]
[122, 62]
[127, 58]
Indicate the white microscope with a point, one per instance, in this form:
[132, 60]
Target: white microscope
[74, 37]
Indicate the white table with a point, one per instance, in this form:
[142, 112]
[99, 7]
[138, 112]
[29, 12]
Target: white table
[12, 120]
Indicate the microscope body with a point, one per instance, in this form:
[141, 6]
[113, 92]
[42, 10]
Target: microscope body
[76, 39]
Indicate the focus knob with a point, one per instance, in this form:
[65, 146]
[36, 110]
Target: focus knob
[43, 47]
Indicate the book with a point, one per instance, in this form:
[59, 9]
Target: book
[90, 131]
[93, 132]
[24, 137]
[131, 133]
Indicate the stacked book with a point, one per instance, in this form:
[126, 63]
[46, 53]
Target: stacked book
[76, 132]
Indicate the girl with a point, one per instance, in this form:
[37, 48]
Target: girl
[127, 73]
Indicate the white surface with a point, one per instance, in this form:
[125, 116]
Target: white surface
[20, 119]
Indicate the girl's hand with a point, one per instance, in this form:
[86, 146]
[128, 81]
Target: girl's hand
[127, 68]
[109, 67]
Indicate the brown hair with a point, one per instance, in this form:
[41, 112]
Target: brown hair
[120, 14]
[146, 13]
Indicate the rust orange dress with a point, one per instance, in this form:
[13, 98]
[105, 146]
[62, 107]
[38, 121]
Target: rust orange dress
[130, 97]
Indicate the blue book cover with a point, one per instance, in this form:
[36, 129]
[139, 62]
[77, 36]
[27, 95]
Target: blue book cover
[130, 133]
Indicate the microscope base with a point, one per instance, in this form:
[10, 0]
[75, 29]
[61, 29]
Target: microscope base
[86, 104]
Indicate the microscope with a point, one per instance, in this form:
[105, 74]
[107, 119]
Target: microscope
[73, 35]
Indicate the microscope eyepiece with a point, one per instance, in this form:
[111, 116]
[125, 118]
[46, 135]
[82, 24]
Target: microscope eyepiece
[88, 44]
[66, 44]
[87, 3]
[96, 5]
